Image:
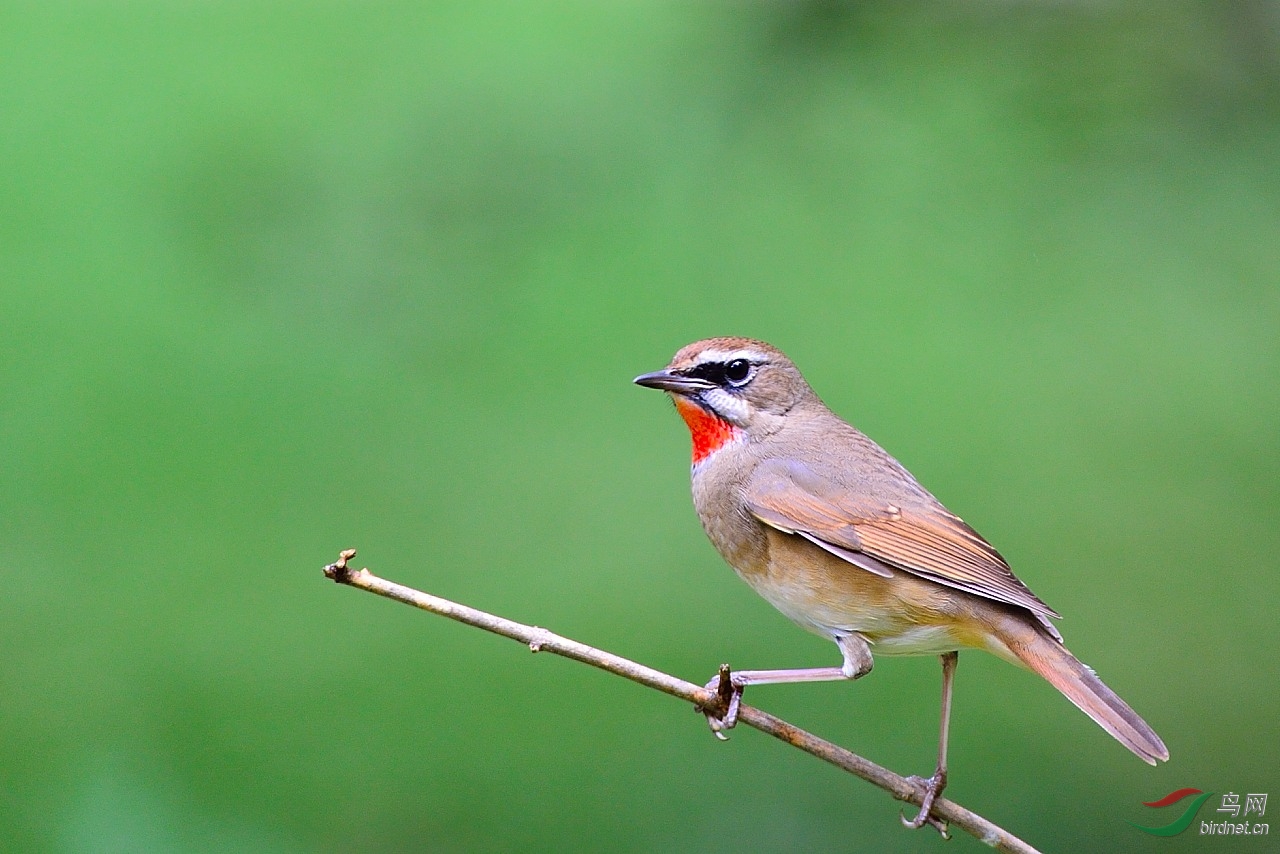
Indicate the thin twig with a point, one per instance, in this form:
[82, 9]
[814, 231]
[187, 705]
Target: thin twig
[541, 640]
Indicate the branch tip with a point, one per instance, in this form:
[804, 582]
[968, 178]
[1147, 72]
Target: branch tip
[339, 572]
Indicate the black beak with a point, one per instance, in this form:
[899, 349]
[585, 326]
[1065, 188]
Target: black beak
[669, 381]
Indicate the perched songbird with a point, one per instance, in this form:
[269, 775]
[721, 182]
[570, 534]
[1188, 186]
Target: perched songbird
[840, 538]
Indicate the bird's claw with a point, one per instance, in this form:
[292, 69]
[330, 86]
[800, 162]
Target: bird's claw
[723, 714]
[932, 788]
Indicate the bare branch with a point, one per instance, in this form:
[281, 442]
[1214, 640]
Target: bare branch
[542, 640]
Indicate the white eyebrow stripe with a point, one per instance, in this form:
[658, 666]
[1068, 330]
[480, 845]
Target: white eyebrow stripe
[730, 355]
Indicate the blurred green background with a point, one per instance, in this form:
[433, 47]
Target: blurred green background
[279, 279]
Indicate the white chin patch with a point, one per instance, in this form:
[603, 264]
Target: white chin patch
[729, 406]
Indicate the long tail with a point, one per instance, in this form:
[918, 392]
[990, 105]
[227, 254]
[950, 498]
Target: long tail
[1080, 685]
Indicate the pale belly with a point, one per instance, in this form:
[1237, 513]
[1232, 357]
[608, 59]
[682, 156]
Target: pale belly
[890, 630]
[903, 615]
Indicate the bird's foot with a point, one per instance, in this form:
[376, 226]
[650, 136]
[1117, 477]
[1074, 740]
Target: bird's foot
[722, 715]
[932, 787]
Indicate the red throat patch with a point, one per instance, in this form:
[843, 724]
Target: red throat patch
[709, 432]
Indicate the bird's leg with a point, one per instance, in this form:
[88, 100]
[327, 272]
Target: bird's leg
[728, 684]
[935, 784]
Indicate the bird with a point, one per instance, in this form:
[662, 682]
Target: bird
[837, 535]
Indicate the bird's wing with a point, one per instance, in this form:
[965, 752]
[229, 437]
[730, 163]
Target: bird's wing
[923, 539]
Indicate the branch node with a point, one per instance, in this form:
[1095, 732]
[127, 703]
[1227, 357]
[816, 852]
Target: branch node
[541, 638]
[719, 707]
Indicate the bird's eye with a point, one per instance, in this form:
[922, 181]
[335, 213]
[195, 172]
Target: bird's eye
[737, 371]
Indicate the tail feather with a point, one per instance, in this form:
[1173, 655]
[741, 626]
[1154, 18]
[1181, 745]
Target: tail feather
[1079, 684]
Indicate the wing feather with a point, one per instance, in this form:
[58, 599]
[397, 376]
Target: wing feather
[919, 536]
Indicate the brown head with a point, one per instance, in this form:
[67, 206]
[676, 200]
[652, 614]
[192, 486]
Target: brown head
[725, 385]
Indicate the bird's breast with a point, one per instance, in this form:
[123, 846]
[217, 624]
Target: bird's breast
[717, 497]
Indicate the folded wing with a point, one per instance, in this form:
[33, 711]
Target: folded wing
[919, 537]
